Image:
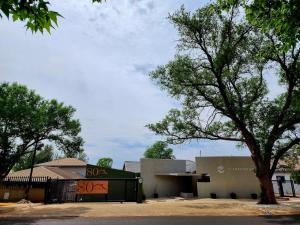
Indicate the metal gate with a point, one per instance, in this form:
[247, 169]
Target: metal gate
[60, 191]
[118, 190]
[284, 188]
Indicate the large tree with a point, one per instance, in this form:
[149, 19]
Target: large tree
[27, 121]
[219, 75]
[35, 13]
[159, 150]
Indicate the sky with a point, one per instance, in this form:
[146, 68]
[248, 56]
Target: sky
[98, 61]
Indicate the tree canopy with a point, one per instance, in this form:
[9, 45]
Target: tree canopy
[45, 155]
[219, 75]
[159, 150]
[35, 13]
[105, 162]
[281, 17]
[27, 122]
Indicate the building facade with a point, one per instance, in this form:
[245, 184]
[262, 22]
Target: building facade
[227, 175]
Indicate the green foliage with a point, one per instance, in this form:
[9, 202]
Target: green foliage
[45, 155]
[295, 175]
[105, 162]
[159, 150]
[27, 121]
[35, 13]
[278, 16]
[219, 76]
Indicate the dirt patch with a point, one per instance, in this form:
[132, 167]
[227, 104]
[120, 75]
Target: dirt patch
[160, 207]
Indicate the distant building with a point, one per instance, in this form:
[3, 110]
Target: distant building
[283, 172]
[132, 166]
[283, 177]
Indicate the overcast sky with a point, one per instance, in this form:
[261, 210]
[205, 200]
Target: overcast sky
[97, 60]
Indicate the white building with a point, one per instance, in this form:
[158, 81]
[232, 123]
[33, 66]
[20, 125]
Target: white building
[220, 176]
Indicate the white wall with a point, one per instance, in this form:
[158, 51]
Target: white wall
[287, 188]
[227, 175]
[165, 186]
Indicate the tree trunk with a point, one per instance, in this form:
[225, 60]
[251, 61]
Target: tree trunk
[267, 190]
[30, 176]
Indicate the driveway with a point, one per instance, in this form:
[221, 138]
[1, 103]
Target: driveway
[288, 220]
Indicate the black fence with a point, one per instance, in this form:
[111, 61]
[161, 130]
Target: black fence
[17, 182]
[118, 190]
[60, 191]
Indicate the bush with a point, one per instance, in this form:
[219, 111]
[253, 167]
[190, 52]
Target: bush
[233, 195]
[254, 196]
[213, 195]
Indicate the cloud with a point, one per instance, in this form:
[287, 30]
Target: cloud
[97, 60]
[144, 69]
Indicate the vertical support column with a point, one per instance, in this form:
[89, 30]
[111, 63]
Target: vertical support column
[293, 188]
[280, 187]
[125, 197]
[46, 194]
[139, 191]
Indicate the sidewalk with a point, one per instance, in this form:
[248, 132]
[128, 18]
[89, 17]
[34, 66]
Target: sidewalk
[158, 207]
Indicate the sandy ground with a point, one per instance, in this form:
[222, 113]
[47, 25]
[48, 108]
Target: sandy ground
[3, 204]
[158, 207]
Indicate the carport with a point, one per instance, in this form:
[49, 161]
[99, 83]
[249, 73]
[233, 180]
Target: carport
[185, 183]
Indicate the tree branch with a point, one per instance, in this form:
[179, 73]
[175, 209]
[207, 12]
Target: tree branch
[281, 152]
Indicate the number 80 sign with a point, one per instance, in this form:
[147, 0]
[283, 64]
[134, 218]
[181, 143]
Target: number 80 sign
[92, 187]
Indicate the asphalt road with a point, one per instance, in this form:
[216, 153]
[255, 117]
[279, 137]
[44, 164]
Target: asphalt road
[288, 220]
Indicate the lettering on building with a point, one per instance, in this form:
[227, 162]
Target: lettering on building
[92, 187]
[95, 172]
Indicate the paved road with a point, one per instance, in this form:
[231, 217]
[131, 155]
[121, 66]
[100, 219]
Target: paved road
[289, 220]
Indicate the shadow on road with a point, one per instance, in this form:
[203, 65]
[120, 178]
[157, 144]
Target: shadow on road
[27, 216]
[171, 220]
[282, 220]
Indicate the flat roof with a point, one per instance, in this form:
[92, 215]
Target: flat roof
[179, 174]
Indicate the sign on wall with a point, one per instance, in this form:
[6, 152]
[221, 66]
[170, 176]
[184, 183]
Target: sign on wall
[100, 172]
[92, 187]
[95, 171]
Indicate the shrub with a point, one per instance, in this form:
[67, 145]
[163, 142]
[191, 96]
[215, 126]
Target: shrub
[213, 195]
[233, 195]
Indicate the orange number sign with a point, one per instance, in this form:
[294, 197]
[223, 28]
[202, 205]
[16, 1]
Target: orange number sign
[92, 187]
